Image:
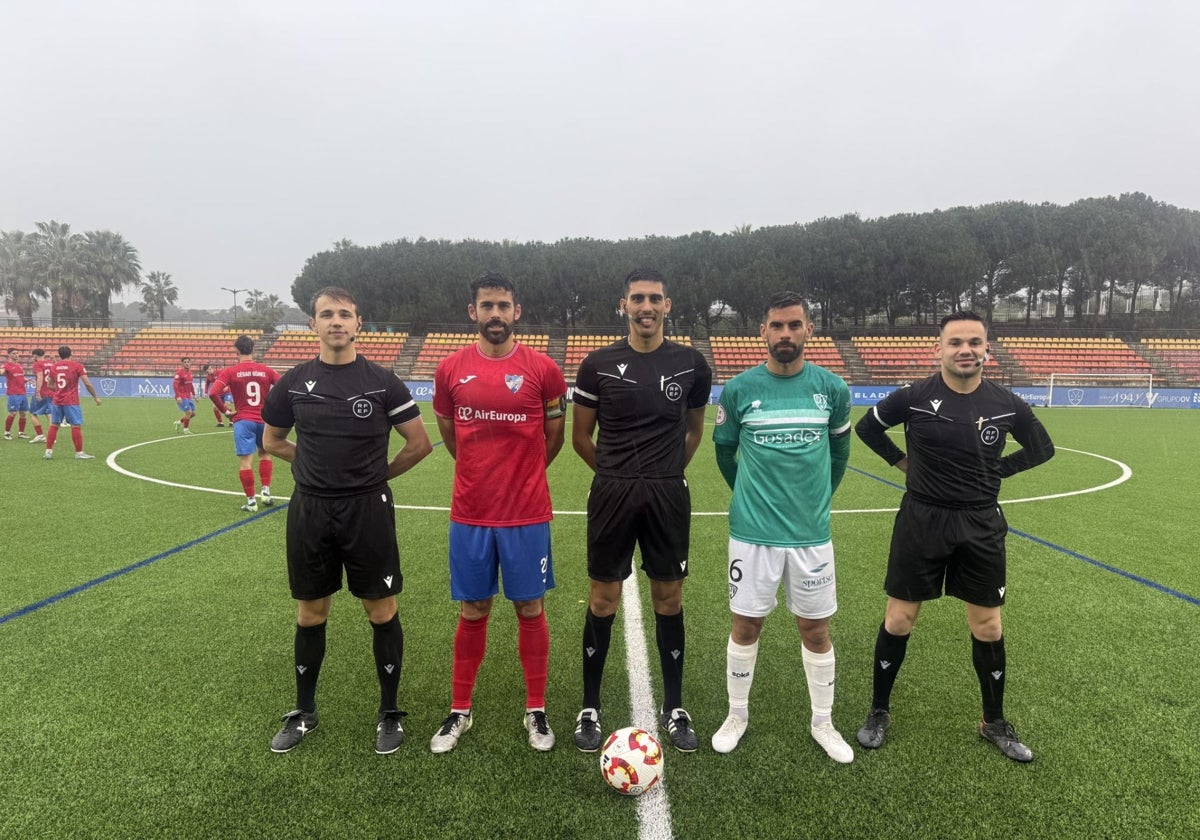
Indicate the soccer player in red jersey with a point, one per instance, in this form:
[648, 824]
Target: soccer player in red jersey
[185, 395]
[18, 402]
[500, 409]
[43, 392]
[66, 374]
[209, 374]
[248, 381]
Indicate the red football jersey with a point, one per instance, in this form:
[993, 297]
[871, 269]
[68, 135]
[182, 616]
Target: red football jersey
[183, 384]
[47, 381]
[14, 373]
[249, 383]
[499, 408]
[65, 373]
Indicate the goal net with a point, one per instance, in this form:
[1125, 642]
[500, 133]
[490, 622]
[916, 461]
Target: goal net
[1101, 390]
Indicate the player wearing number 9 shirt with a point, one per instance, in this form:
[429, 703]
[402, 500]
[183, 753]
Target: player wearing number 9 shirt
[248, 381]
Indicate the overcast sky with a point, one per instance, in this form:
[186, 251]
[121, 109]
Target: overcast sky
[230, 141]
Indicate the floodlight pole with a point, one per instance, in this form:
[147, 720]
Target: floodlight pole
[235, 294]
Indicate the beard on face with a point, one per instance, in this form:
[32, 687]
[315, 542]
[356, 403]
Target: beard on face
[485, 329]
[784, 352]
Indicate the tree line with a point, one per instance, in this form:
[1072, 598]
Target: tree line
[1058, 264]
[78, 274]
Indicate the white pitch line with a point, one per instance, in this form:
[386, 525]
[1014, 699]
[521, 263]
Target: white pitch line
[111, 461]
[654, 811]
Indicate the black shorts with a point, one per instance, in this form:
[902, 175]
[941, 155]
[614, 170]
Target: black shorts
[356, 533]
[962, 550]
[656, 514]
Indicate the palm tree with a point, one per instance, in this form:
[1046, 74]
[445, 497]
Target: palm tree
[262, 310]
[56, 260]
[158, 292]
[269, 309]
[112, 264]
[19, 285]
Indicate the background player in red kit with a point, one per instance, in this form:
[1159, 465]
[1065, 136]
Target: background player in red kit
[43, 392]
[210, 375]
[66, 374]
[248, 381]
[500, 408]
[185, 395]
[18, 401]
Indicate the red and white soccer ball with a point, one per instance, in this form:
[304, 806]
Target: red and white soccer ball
[631, 761]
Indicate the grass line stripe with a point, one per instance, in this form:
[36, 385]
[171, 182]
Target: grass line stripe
[83, 587]
[653, 808]
[1166, 590]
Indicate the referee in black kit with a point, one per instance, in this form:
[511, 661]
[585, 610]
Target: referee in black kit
[950, 530]
[343, 408]
[648, 397]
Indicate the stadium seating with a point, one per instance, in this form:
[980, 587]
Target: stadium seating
[291, 347]
[156, 351]
[1039, 357]
[1182, 355]
[898, 360]
[85, 342]
[733, 354]
[578, 346]
[439, 345]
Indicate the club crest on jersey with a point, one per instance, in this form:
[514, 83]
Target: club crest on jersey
[822, 401]
[990, 435]
[673, 391]
[514, 381]
[362, 408]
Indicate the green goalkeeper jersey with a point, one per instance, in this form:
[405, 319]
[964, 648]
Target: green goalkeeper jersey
[782, 427]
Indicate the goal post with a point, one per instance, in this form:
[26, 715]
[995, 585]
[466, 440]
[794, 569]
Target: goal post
[1133, 389]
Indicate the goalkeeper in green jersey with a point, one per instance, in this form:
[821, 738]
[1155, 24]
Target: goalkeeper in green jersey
[783, 439]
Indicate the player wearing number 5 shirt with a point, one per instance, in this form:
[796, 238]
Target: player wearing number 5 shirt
[500, 408]
[249, 382]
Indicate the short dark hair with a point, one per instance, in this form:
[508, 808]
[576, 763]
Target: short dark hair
[962, 315]
[244, 345]
[648, 274]
[492, 280]
[333, 293]
[12, 349]
[39, 352]
[785, 300]
[64, 352]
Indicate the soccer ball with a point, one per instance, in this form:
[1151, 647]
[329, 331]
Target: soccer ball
[631, 761]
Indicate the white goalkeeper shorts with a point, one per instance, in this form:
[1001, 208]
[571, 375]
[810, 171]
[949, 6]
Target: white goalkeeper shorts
[807, 575]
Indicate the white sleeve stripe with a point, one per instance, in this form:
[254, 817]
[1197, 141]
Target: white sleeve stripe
[402, 408]
[579, 390]
[841, 430]
[875, 411]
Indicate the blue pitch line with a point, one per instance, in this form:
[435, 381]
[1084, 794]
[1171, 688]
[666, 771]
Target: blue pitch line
[75, 590]
[1166, 590]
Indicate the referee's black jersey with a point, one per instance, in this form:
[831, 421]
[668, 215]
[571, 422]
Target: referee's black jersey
[641, 402]
[343, 416]
[956, 441]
